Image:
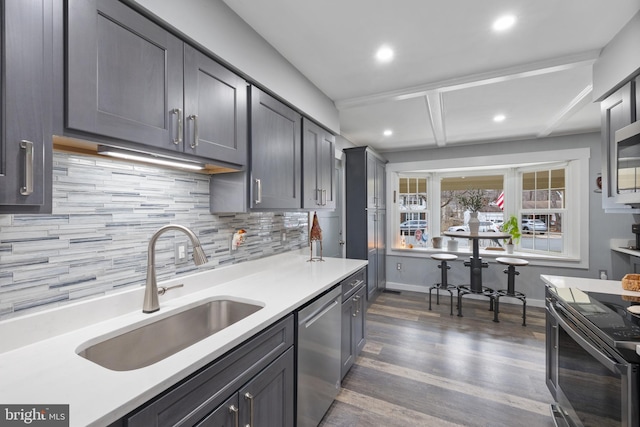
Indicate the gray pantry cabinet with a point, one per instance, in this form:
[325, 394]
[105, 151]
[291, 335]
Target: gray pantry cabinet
[366, 213]
[130, 80]
[26, 96]
[318, 160]
[354, 305]
[617, 111]
[251, 385]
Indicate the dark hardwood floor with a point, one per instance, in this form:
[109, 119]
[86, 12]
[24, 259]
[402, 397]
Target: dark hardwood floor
[427, 368]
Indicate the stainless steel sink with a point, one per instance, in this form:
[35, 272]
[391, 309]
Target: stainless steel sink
[153, 342]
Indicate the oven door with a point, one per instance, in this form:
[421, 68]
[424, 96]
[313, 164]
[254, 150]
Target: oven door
[596, 386]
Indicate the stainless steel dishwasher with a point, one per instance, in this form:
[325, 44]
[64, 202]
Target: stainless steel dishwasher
[319, 328]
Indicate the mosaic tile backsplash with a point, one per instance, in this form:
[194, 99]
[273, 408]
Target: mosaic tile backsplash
[104, 213]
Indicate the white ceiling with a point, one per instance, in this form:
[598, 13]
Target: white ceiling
[451, 73]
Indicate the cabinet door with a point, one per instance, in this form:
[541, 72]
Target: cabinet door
[226, 415]
[381, 226]
[318, 154]
[215, 109]
[124, 75]
[25, 128]
[616, 113]
[372, 195]
[359, 320]
[267, 400]
[347, 355]
[275, 153]
[380, 184]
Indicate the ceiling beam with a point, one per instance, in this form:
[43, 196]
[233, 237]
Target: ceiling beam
[435, 109]
[496, 76]
[576, 104]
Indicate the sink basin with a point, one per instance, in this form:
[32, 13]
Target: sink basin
[153, 342]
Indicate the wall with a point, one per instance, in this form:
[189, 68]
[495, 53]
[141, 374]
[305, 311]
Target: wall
[104, 213]
[217, 28]
[618, 61]
[419, 274]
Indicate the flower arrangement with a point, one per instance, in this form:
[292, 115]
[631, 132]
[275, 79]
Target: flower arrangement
[472, 200]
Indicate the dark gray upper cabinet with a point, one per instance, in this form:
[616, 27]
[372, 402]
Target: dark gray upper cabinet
[617, 111]
[26, 60]
[131, 80]
[215, 109]
[275, 154]
[318, 153]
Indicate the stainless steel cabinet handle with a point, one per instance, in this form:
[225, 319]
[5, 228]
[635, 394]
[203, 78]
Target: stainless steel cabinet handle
[178, 140]
[27, 146]
[318, 197]
[236, 414]
[324, 197]
[196, 137]
[248, 396]
[258, 198]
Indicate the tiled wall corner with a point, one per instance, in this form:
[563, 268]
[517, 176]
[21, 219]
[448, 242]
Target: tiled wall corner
[104, 214]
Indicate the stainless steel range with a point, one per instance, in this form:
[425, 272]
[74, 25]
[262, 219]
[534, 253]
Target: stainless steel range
[593, 369]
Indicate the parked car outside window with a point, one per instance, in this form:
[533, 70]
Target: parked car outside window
[531, 225]
[484, 227]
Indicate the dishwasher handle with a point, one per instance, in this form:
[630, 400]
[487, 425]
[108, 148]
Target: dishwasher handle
[323, 311]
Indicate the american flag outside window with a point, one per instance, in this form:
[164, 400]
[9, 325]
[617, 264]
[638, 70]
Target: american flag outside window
[500, 201]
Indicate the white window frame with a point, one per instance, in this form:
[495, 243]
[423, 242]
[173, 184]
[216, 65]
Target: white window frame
[576, 233]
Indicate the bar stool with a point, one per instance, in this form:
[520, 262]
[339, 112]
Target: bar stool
[444, 285]
[511, 272]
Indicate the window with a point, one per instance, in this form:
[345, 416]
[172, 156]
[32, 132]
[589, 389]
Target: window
[543, 194]
[413, 210]
[542, 210]
[454, 217]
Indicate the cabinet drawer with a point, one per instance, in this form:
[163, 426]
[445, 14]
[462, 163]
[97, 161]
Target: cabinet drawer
[351, 284]
[193, 398]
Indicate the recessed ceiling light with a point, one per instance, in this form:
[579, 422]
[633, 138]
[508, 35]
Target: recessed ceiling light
[499, 118]
[388, 132]
[384, 54]
[504, 23]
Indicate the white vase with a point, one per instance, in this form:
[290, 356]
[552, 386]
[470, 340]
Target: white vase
[452, 245]
[474, 223]
[509, 248]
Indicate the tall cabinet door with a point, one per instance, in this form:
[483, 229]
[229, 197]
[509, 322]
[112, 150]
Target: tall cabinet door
[381, 249]
[275, 153]
[215, 109]
[26, 97]
[124, 75]
[372, 195]
[318, 153]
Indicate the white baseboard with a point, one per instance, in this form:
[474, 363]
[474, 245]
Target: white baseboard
[393, 286]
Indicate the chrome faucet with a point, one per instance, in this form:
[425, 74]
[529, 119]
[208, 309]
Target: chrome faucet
[151, 302]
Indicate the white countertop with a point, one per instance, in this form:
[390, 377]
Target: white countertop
[584, 284]
[39, 364]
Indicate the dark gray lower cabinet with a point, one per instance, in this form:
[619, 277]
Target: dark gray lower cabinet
[354, 305]
[254, 382]
[262, 402]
